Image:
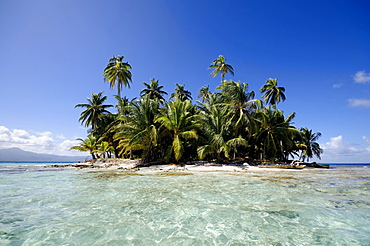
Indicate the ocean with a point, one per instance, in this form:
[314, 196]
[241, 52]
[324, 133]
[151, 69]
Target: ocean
[55, 206]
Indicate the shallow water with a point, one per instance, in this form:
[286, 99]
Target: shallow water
[41, 206]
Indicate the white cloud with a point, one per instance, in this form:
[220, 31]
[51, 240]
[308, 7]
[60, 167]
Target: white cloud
[335, 86]
[47, 133]
[4, 134]
[38, 142]
[361, 77]
[61, 136]
[67, 144]
[367, 140]
[340, 151]
[359, 103]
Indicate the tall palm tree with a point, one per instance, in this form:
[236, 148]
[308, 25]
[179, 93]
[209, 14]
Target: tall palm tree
[153, 91]
[181, 94]
[308, 144]
[219, 65]
[94, 109]
[179, 123]
[89, 144]
[273, 93]
[118, 72]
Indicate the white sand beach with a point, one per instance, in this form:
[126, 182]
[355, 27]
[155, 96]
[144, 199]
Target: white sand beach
[132, 165]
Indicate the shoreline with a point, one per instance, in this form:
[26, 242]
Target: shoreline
[136, 166]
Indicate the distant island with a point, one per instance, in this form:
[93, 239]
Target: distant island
[17, 154]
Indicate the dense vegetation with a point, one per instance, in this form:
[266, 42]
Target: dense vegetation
[229, 124]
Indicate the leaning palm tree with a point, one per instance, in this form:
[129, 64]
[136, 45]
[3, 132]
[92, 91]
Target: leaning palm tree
[87, 145]
[219, 65]
[273, 93]
[153, 91]
[178, 122]
[118, 72]
[180, 93]
[94, 109]
[308, 144]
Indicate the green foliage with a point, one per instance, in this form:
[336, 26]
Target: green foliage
[91, 116]
[181, 94]
[118, 73]
[224, 125]
[219, 65]
[273, 93]
[153, 91]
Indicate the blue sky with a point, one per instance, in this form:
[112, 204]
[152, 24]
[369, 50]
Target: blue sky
[53, 53]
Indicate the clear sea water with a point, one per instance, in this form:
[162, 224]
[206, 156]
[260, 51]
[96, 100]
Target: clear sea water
[52, 206]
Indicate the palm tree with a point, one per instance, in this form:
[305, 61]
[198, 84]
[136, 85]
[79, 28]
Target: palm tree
[204, 93]
[308, 144]
[94, 109]
[122, 105]
[139, 131]
[179, 123]
[220, 138]
[276, 135]
[273, 93]
[219, 65]
[89, 144]
[236, 96]
[153, 91]
[118, 72]
[181, 94]
[104, 148]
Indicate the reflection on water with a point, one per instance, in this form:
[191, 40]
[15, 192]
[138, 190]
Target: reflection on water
[41, 206]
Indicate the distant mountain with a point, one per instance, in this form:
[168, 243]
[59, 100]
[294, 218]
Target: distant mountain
[17, 154]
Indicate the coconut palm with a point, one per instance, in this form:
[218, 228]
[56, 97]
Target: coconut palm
[94, 109]
[118, 72]
[309, 145]
[153, 91]
[273, 93]
[104, 149]
[204, 93]
[181, 94]
[178, 122]
[87, 145]
[220, 140]
[219, 65]
[276, 135]
[122, 105]
[139, 133]
[242, 103]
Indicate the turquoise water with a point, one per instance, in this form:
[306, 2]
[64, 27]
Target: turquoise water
[41, 206]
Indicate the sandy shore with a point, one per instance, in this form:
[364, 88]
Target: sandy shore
[133, 165]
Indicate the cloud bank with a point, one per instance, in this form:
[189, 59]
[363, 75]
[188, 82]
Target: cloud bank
[41, 142]
[340, 151]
